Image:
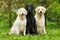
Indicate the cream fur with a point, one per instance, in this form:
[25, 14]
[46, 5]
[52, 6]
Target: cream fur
[40, 20]
[19, 24]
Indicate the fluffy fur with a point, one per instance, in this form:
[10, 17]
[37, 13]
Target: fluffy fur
[31, 23]
[40, 19]
[20, 22]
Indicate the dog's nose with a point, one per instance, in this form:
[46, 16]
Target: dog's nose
[22, 13]
[29, 9]
[40, 11]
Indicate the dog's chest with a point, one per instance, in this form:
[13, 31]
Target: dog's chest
[40, 21]
[22, 25]
[22, 22]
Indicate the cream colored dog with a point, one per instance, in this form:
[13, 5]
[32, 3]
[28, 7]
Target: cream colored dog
[20, 22]
[40, 19]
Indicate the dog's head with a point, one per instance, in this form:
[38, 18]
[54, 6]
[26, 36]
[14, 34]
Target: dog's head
[40, 10]
[29, 7]
[22, 12]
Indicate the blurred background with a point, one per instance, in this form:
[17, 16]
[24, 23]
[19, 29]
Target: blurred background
[8, 9]
[8, 13]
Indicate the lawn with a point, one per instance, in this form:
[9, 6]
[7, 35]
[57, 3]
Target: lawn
[52, 28]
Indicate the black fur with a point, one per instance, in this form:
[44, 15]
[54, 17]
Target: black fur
[31, 23]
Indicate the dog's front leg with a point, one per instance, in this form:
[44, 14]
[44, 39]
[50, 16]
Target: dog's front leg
[44, 31]
[28, 30]
[35, 28]
[24, 32]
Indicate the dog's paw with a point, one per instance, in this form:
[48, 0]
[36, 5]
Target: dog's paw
[17, 33]
[44, 32]
[24, 34]
[9, 33]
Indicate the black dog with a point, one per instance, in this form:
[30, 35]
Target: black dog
[31, 23]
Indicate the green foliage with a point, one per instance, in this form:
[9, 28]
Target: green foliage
[53, 13]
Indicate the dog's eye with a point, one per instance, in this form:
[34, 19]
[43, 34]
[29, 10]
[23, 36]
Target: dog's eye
[38, 9]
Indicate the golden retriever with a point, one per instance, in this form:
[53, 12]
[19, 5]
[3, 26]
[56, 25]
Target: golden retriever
[40, 19]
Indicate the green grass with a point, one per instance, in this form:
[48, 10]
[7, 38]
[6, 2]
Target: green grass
[53, 32]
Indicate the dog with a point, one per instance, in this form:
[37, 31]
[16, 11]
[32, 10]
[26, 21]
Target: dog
[20, 22]
[31, 23]
[40, 19]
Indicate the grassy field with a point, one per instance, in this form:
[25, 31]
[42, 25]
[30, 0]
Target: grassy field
[52, 28]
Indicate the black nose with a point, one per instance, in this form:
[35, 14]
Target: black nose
[29, 9]
[40, 11]
[22, 13]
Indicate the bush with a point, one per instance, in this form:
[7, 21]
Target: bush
[53, 13]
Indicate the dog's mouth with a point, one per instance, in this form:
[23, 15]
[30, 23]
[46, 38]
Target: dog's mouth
[22, 16]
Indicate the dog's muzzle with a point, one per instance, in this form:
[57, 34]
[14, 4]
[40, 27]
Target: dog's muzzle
[22, 14]
[29, 8]
[40, 13]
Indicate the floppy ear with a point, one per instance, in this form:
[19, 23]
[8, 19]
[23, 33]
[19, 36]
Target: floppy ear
[25, 12]
[44, 10]
[17, 11]
[35, 9]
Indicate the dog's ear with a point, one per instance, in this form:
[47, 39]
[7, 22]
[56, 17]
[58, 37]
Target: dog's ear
[25, 12]
[36, 9]
[44, 10]
[18, 12]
